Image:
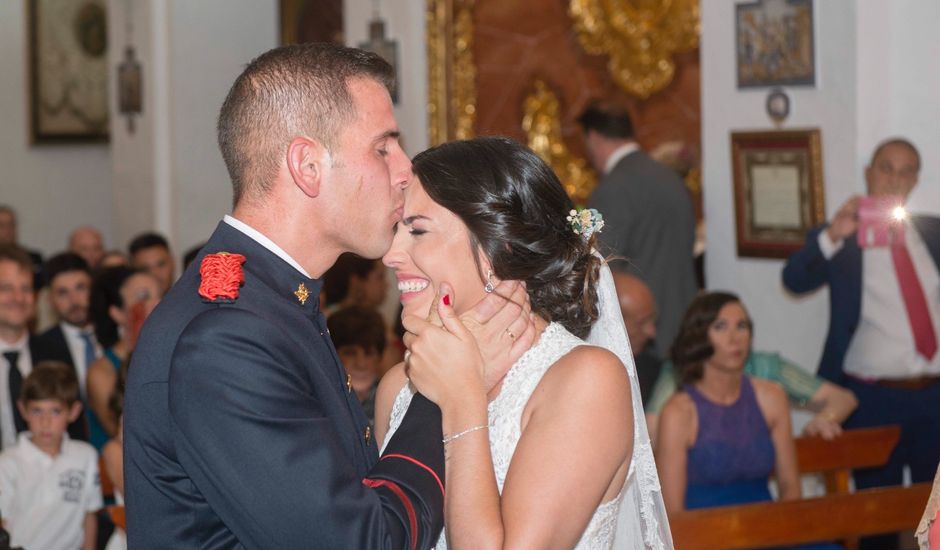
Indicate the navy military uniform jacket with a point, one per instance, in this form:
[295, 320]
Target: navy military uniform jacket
[241, 431]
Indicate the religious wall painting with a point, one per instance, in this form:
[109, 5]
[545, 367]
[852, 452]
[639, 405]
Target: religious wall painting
[68, 66]
[775, 44]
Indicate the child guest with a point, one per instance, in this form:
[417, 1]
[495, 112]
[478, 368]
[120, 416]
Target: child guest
[49, 485]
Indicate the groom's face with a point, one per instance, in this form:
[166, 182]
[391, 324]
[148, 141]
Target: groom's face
[369, 171]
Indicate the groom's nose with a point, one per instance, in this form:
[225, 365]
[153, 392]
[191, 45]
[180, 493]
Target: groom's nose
[400, 169]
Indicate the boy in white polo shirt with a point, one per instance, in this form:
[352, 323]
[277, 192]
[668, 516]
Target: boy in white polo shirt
[49, 484]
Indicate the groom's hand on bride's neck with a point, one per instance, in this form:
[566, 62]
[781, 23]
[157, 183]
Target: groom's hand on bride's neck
[503, 327]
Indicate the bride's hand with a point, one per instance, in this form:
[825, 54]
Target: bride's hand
[443, 360]
[503, 327]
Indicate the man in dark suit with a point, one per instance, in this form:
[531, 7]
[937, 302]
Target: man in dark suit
[72, 340]
[151, 253]
[884, 316]
[648, 214]
[16, 346]
[241, 426]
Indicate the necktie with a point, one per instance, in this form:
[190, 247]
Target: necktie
[89, 349]
[925, 338]
[15, 383]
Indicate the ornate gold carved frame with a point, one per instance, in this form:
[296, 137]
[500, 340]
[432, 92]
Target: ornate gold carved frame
[451, 71]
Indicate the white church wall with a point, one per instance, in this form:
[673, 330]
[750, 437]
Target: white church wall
[54, 188]
[793, 326]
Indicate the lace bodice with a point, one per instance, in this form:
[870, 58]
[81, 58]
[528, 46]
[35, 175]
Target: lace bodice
[505, 415]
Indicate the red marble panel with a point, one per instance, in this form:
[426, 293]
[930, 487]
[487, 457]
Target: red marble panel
[519, 41]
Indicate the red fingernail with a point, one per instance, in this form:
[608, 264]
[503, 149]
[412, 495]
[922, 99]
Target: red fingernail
[447, 299]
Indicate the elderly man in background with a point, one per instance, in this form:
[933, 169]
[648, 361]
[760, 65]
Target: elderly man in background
[86, 241]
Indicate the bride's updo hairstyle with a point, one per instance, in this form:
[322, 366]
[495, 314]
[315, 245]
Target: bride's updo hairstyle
[515, 210]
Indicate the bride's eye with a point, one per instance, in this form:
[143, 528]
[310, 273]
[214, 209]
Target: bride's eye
[416, 232]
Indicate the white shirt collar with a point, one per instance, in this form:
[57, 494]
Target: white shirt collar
[73, 331]
[259, 237]
[618, 154]
[19, 345]
[25, 440]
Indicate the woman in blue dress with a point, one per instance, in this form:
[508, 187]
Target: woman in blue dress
[725, 433]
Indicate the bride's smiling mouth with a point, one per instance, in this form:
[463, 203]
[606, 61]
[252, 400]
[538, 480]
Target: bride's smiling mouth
[411, 285]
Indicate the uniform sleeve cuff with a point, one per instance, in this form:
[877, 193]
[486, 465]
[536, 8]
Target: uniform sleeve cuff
[827, 246]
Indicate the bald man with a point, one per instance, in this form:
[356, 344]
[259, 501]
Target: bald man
[639, 315]
[86, 241]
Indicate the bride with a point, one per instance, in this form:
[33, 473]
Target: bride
[556, 454]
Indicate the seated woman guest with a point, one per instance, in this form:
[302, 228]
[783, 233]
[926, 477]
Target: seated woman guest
[723, 435]
[832, 403]
[121, 299]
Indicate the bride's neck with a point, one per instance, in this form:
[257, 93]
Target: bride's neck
[540, 326]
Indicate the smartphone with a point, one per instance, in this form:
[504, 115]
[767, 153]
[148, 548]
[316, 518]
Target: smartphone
[879, 221]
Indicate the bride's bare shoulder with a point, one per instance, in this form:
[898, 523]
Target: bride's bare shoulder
[587, 373]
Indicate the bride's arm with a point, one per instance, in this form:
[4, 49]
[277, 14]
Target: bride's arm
[577, 439]
[446, 366]
[577, 436]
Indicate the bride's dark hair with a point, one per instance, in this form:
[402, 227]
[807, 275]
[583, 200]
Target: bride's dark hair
[515, 210]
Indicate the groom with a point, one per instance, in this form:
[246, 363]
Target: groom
[241, 429]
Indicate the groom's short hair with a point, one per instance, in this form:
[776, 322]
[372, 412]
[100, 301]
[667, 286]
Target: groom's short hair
[295, 90]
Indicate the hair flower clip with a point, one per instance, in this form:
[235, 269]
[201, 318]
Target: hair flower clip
[585, 222]
[222, 275]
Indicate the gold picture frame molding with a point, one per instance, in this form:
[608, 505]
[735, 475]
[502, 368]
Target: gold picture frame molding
[786, 153]
[451, 70]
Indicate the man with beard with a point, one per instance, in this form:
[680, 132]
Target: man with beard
[72, 340]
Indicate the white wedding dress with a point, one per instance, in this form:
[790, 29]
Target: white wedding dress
[636, 518]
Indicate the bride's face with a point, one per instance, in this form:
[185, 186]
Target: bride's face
[432, 246]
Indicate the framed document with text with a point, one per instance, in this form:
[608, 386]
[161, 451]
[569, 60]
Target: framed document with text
[778, 190]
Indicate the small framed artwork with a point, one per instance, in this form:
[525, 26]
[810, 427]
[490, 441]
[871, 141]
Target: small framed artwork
[778, 190]
[774, 41]
[68, 71]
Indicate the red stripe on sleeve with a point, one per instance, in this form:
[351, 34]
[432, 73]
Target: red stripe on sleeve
[421, 464]
[409, 508]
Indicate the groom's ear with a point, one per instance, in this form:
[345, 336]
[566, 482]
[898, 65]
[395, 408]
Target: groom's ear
[307, 161]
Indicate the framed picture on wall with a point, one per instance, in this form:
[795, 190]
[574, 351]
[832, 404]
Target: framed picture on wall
[778, 190]
[68, 71]
[774, 42]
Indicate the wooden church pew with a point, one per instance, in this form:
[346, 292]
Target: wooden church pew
[836, 516]
[832, 517]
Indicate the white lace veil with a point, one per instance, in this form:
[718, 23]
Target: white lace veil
[642, 522]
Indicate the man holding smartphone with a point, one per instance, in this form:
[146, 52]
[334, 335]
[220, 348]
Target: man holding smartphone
[883, 271]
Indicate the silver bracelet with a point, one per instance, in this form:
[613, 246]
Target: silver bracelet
[447, 439]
